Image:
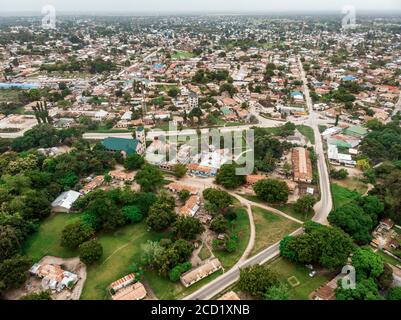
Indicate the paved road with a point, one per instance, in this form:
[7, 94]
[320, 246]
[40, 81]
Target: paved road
[322, 209]
[213, 288]
[324, 206]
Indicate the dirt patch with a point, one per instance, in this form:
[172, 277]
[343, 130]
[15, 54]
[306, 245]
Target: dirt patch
[34, 284]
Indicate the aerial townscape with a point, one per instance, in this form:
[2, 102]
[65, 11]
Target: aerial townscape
[112, 186]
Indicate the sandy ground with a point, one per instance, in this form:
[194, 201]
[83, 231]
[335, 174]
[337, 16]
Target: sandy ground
[33, 284]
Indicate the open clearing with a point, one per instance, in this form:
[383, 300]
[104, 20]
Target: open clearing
[120, 250]
[342, 196]
[289, 272]
[270, 228]
[307, 132]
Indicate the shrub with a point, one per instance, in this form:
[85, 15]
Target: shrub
[90, 251]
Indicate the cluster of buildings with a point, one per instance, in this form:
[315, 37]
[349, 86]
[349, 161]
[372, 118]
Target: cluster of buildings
[54, 277]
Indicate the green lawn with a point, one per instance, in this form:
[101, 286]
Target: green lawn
[120, 249]
[270, 228]
[287, 269]
[180, 54]
[241, 228]
[286, 208]
[289, 209]
[47, 240]
[341, 195]
[307, 132]
[204, 253]
[388, 259]
[353, 184]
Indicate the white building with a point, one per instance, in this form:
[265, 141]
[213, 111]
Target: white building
[65, 201]
[339, 158]
[193, 100]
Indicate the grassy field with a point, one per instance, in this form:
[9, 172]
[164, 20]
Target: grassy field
[270, 228]
[287, 269]
[388, 259]
[307, 132]
[47, 240]
[286, 208]
[352, 184]
[341, 195]
[180, 54]
[241, 228]
[119, 251]
[289, 209]
[204, 253]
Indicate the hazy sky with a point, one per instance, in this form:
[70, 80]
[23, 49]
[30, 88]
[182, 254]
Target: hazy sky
[196, 5]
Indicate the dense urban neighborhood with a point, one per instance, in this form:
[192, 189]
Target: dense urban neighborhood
[122, 139]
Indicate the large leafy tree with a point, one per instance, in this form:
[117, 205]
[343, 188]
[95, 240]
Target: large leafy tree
[161, 216]
[278, 292]
[257, 280]
[13, 272]
[366, 289]
[134, 162]
[149, 178]
[132, 214]
[228, 177]
[187, 228]
[75, 234]
[217, 200]
[367, 263]
[353, 220]
[9, 242]
[325, 246]
[272, 191]
[90, 251]
[304, 205]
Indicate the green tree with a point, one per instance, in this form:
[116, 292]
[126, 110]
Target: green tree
[161, 216]
[352, 219]
[132, 214]
[9, 242]
[305, 205]
[187, 228]
[13, 272]
[228, 177]
[278, 292]
[272, 191]
[218, 201]
[149, 178]
[257, 279]
[178, 270]
[90, 251]
[366, 289]
[180, 170]
[134, 162]
[184, 195]
[219, 224]
[75, 234]
[42, 295]
[367, 263]
[151, 253]
[174, 92]
[394, 294]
